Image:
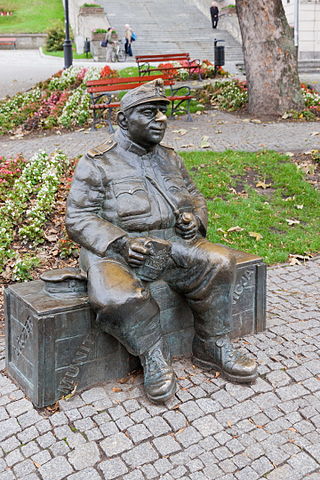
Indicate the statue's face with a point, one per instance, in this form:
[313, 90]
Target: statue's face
[146, 123]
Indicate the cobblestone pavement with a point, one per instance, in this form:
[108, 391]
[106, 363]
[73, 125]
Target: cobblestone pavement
[210, 430]
[221, 130]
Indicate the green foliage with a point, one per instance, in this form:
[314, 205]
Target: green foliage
[30, 16]
[304, 114]
[68, 248]
[225, 95]
[23, 268]
[55, 39]
[129, 72]
[100, 30]
[29, 202]
[75, 55]
[265, 195]
[315, 155]
[16, 110]
[91, 5]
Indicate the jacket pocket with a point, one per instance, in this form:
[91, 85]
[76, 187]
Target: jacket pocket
[175, 184]
[131, 197]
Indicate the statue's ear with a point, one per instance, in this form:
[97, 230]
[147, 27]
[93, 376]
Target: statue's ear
[122, 120]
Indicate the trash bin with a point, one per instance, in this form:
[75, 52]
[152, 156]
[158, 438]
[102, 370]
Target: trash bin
[218, 53]
[86, 47]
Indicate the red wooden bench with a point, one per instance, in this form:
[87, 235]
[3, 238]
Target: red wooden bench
[144, 67]
[8, 41]
[102, 95]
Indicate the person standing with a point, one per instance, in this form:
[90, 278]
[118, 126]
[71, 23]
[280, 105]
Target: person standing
[128, 39]
[113, 41]
[214, 12]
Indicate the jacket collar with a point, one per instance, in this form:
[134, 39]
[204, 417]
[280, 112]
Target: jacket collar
[124, 142]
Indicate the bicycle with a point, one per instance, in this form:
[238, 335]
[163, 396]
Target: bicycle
[118, 52]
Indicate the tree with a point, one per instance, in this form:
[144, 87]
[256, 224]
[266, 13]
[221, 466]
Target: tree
[270, 58]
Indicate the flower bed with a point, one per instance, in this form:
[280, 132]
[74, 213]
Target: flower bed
[27, 204]
[4, 13]
[63, 102]
[232, 95]
[207, 69]
[225, 95]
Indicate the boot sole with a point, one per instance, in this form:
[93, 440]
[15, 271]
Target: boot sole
[228, 376]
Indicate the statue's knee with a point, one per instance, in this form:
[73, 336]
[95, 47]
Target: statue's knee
[224, 262]
[111, 300]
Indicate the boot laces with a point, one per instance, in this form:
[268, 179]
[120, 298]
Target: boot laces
[155, 361]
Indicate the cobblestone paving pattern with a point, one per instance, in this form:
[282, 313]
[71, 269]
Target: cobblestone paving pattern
[222, 131]
[210, 430]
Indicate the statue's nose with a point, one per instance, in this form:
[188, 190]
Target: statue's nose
[160, 117]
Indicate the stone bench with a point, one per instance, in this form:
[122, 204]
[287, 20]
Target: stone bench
[53, 345]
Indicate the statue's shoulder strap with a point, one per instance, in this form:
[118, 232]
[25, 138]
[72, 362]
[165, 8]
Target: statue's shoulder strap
[101, 149]
[167, 147]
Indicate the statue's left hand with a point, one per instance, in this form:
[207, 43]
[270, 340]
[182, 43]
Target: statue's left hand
[134, 250]
[187, 225]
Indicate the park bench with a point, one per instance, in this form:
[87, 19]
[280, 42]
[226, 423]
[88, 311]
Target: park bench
[8, 41]
[144, 61]
[102, 93]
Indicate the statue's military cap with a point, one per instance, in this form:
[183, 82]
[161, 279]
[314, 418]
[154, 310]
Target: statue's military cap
[149, 92]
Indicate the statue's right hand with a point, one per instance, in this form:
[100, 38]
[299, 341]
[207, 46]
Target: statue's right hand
[134, 250]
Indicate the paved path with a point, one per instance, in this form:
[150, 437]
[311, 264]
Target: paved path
[210, 430]
[22, 69]
[223, 131]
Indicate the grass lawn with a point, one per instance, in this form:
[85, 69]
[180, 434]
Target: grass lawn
[258, 202]
[30, 16]
[75, 55]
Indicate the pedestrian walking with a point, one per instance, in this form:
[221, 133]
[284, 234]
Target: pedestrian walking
[214, 12]
[113, 42]
[128, 32]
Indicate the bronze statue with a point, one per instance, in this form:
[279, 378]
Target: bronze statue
[138, 217]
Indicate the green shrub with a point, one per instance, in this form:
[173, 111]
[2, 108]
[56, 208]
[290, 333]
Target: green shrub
[99, 30]
[55, 39]
[91, 5]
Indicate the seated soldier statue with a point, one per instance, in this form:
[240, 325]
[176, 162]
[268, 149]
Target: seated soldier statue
[138, 217]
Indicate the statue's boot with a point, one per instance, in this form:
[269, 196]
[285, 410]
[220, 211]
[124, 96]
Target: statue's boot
[218, 353]
[159, 377]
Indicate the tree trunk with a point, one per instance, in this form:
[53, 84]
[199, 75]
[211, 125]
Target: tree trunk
[270, 58]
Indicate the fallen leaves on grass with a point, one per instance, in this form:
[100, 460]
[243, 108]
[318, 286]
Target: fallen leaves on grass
[235, 229]
[292, 221]
[255, 235]
[263, 185]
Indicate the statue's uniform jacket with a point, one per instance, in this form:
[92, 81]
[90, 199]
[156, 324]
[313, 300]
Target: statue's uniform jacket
[111, 197]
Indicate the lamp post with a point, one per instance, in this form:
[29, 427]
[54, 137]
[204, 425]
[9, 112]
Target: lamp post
[67, 45]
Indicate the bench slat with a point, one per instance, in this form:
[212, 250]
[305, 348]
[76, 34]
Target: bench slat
[8, 41]
[111, 81]
[122, 86]
[165, 56]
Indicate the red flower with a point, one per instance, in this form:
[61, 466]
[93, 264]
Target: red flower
[108, 72]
